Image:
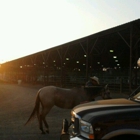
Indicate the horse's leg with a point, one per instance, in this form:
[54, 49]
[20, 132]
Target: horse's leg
[41, 124]
[46, 125]
[45, 111]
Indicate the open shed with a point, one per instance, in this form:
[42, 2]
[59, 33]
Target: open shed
[110, 53]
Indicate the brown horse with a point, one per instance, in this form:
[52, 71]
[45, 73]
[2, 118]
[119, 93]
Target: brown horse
[50, 96]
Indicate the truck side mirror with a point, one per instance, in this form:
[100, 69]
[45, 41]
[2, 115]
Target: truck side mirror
[138, 62]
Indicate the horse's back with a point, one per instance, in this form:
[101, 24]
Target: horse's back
[53, 91]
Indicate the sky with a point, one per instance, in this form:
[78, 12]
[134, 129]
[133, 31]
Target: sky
[30, 26]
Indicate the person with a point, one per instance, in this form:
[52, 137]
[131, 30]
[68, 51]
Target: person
[93, 81]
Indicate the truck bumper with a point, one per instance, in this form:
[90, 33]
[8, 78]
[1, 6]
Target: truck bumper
[76, 138]
[65, 135]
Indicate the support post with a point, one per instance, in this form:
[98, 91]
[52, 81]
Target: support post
[130, 67]
[87, 59]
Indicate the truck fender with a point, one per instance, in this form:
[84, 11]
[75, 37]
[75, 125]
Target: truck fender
[121, 132]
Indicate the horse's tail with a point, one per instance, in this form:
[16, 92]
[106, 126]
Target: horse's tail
[35, 110]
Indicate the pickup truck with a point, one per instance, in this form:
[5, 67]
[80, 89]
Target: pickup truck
[105, 119]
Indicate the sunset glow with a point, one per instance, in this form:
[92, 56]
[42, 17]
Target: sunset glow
[30, 26]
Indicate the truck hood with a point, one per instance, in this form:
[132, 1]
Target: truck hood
[103, 107]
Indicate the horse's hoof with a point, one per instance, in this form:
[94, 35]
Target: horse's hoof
[43, 133]
[47, 131]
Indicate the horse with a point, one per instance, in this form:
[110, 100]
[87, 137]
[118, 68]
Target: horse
[50, 96]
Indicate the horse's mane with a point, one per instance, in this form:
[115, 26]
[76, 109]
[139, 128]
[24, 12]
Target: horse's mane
[78, 89]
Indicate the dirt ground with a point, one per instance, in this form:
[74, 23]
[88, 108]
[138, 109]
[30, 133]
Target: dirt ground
[16, 105]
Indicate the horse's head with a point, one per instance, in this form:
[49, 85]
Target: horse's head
[93, 91]
[105, 92]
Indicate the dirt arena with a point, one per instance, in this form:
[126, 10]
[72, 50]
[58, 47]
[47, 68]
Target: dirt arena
[16, 104]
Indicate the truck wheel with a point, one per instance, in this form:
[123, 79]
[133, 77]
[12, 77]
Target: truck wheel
[123, 137]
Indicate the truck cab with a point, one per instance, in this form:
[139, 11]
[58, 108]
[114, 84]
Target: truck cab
[105, 119]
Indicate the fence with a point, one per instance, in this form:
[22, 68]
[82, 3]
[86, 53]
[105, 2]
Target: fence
[116, 83]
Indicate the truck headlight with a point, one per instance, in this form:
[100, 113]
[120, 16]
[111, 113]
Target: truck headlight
[86, 129]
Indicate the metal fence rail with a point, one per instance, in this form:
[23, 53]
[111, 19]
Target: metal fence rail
[116, 83]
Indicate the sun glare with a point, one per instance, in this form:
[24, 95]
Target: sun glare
[30, 26]
[39, 27]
